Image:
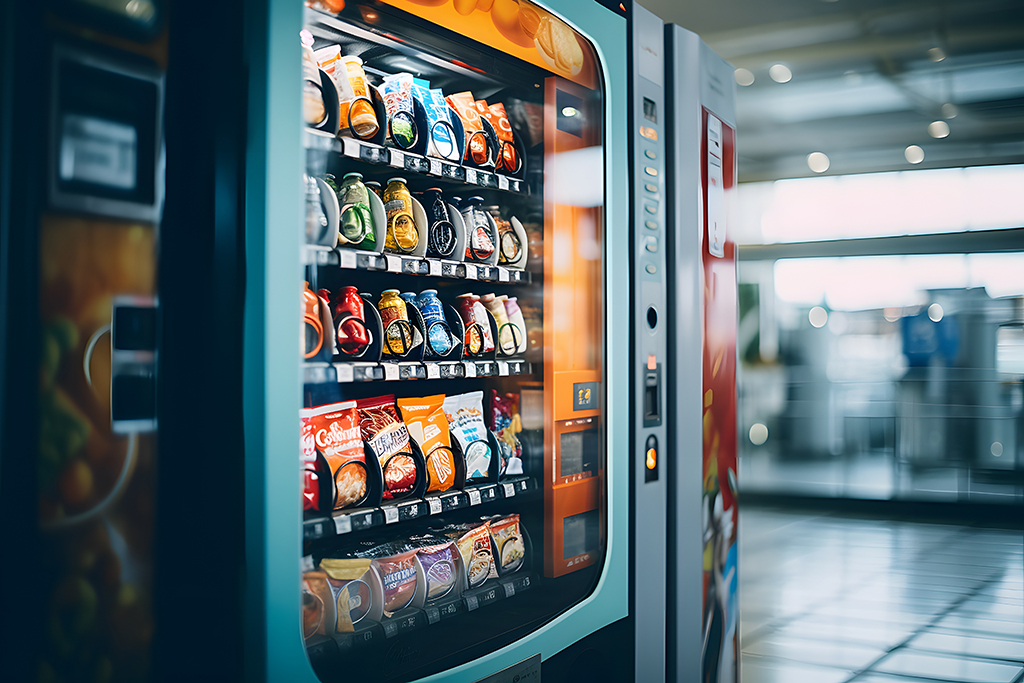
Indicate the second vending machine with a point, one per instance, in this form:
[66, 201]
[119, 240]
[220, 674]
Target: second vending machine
[462, 373]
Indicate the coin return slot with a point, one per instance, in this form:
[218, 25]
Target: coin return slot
[652, 397]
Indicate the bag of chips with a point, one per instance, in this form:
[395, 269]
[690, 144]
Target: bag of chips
[397, 94]
[509, 546]
[466, 419]
[440, 560]
[399, 575]
[428, 426]
[333, 430]
[356, 591]
[476, 142]
[495, 114]
[504, 421]
[318, 615]
[389, 441]
[474, 543]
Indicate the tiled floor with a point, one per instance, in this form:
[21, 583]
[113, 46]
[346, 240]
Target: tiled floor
[832, 599]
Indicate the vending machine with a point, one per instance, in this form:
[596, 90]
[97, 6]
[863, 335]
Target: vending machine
[703, 628]
[437, 359]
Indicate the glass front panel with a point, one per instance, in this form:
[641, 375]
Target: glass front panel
[453, 331]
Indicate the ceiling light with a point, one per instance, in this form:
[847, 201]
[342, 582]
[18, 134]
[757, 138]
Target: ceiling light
[744, 77]
[914, 154]
[817, 316]
[949, 111]
[758, 433]
[935, 313]
[780, 73]
[936, 54]
[817, 162]
[569, 111]
[938, 129]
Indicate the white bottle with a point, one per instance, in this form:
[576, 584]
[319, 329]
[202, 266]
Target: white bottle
[515, 316]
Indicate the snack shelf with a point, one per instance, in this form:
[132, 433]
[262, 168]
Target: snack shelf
[359, 519]
[352, 259]
[348, 372]
[323, 649]
[409, 162]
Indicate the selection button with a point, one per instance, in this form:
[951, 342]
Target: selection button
[650, 154]
[651, 187]
[651, 171]
[651, 225]
[651, 244]
[651, 268]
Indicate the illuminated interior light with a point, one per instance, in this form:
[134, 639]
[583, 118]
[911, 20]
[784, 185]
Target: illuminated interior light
[744, 77]
[935, 313]
[949, 110]
[569, 111]
[818, 162]
[914, 154]
[936, 54]
[780, 73]
[996, 449]
[652, 458]
[938, 129]
[817, 316]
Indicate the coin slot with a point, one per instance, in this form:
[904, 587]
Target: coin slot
[652, 317]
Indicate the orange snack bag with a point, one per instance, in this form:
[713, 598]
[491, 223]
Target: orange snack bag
[428, 425]
[465, 106]
[495, 114]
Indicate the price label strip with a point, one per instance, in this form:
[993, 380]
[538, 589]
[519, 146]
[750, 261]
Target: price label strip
[397, 159]
[502, 182]
[391, 372]
[433, 371]
[474, 497]
[510, 589]
[435, 505]
[471, 176]
[510, 490]
[390, 514]
[434, 268]
[435, 167]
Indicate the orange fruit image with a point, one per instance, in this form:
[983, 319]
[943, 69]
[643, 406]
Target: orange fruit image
[505, 15]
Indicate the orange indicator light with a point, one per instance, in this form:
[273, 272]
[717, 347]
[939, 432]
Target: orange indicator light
[652, 362]
[648, 133]
[652, 458]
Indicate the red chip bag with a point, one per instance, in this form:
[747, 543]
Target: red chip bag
[389, 441]
[333, 431]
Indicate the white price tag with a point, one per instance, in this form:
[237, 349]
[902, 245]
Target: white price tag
[397, 159]
[471, 176]
[435, 505]
[435, 268]
[351, 147]
[510, 490]
[435, 167]
[307, 564]
[390, 515]
[502, 182]
[433, 371]
[394, 263]
[471, 272]
[470, 368]
[502, 274]
[347, 258]
[503, 368]
[474, 497]
[510, 589]
[342, 524]
[345, 374]
[390, 371]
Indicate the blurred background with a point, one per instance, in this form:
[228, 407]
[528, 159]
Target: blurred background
[881, 221]
[880, 218]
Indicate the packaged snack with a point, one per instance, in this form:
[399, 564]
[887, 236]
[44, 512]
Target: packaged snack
[515, 316]
[480, 237]
[397, 93]
[397, 566]
[364, 119]
[440, 142]
[439, 559]
[356, 591]
[313, 109]
[506, 423]
[466, 420]
[508, 338]
[474, 543]
[476, 142]
[318, 607]
[508, 160]
[478, 328]
[333, 430]
[389, 441]
[509, 546]
[428, 425]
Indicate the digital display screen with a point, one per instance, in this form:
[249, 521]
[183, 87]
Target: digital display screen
[650, 110]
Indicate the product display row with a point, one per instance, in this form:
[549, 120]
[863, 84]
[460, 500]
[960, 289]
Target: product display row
[409, 326]
[403, 111]
[360, 453]
[377, 581]
[389, 219]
